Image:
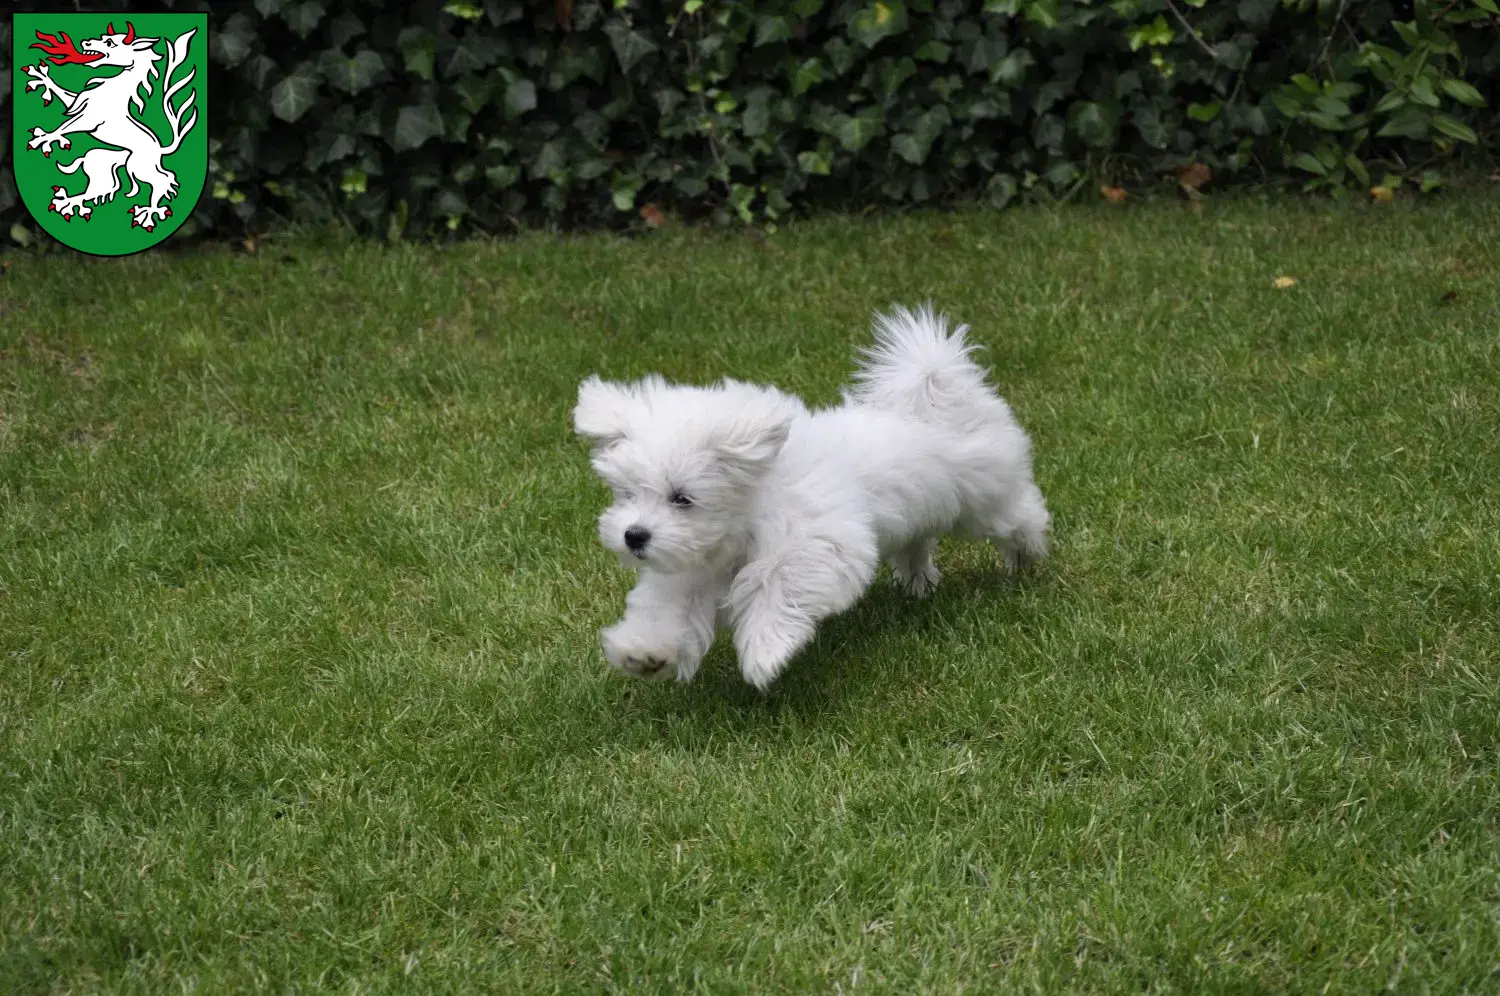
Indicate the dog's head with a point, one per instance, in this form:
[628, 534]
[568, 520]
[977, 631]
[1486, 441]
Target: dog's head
[682, 462]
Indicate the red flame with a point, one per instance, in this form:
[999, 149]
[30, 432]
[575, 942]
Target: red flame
[63, 51]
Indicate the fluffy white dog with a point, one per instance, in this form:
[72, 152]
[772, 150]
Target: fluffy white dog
[739, 506]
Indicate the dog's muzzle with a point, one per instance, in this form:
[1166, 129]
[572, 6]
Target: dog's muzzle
[636, 539]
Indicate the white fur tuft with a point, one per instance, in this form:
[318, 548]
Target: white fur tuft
[920, 368]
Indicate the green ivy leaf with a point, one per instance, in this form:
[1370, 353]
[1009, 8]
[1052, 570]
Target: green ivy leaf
[472, 91]
[880, 20]
[1205, 112]
[296, 94]
[351, 75]
[502, 175]
[1011, 70]
[1152, 35]
[452, 204]
[520, 97]
[814, 163]
[756, 120]
[259, 70]
[630, 46]
[474, 53]
[1095, 123]
[464, 10]
[233, 41]
[304, 17]
[1049, 132]
[622, 191]
[981, 54]
[1257, 13]
[854, 131]
[771, 28]
[985, 108]
[914, 148]
[806, 75]
[551, 160]
[841, 55]
[1149, 125]
[330, 150]
[897, 74]
[344, 29]
[1042, 13]
[1001, 190]
[418, 49]
[741, 196]
[933, 51]
[415, 125]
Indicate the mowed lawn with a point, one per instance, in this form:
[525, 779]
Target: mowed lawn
[300, 591]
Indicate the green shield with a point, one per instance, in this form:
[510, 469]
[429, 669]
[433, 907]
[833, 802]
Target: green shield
[110, 118]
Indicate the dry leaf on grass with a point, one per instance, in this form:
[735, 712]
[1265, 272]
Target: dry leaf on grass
[652, 216]
[1115, 195]
[1282, 283]
[1382, 195]
[1194, 177]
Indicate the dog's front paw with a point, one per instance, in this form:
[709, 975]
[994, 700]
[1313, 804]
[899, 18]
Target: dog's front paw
[765, 649]
[640, 656]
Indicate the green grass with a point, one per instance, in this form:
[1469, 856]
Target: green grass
[300, 591]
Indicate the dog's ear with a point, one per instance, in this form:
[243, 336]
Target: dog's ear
[758, 427]
[604, 412]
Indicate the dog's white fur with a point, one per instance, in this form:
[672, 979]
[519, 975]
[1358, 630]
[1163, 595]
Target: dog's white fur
[769, 518]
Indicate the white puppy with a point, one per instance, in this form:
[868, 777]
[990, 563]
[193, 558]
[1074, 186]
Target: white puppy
[739, 506]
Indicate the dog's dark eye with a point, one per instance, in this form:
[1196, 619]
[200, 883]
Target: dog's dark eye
[681, 500]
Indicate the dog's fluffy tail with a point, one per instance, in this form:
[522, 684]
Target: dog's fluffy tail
[920, 368]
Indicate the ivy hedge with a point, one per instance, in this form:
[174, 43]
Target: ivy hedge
[456, 115]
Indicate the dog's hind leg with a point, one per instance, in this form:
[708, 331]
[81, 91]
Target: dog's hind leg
[778, 599]
[915, 572]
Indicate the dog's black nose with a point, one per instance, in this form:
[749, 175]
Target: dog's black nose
[636, 538]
